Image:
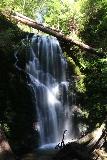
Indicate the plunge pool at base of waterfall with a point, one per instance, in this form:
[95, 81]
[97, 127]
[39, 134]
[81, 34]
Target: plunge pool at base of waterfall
[45, 152]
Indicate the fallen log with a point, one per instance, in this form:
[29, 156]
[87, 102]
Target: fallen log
[101, 153]
[61, 37]
[93, 137]
[88, 147]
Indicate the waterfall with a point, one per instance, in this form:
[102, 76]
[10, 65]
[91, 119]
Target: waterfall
[46, 67]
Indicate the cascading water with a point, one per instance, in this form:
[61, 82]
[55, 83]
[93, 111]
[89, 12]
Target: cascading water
[47, 69]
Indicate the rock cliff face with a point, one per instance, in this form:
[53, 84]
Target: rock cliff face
[17, 111]
[10, 34]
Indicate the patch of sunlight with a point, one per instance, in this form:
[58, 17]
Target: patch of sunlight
[55, 90]
[51, 98]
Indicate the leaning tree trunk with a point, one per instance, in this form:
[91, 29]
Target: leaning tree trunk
[5, 149]
[93, 137]
[61, 37]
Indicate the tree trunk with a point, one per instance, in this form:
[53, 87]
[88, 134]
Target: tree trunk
[31, 23]
[93, 137]
[5, 149]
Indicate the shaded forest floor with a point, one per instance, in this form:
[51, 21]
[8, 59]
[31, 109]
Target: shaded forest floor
[69, 152]
[40, 155]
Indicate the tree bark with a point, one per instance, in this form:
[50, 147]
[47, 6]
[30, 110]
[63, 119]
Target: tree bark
[31, 23]
[5, 149]
[93, 137]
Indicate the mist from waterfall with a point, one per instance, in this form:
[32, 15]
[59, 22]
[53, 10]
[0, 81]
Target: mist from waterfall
[46, 67]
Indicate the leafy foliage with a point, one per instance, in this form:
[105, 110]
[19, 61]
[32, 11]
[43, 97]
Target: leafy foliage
[95, 19]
